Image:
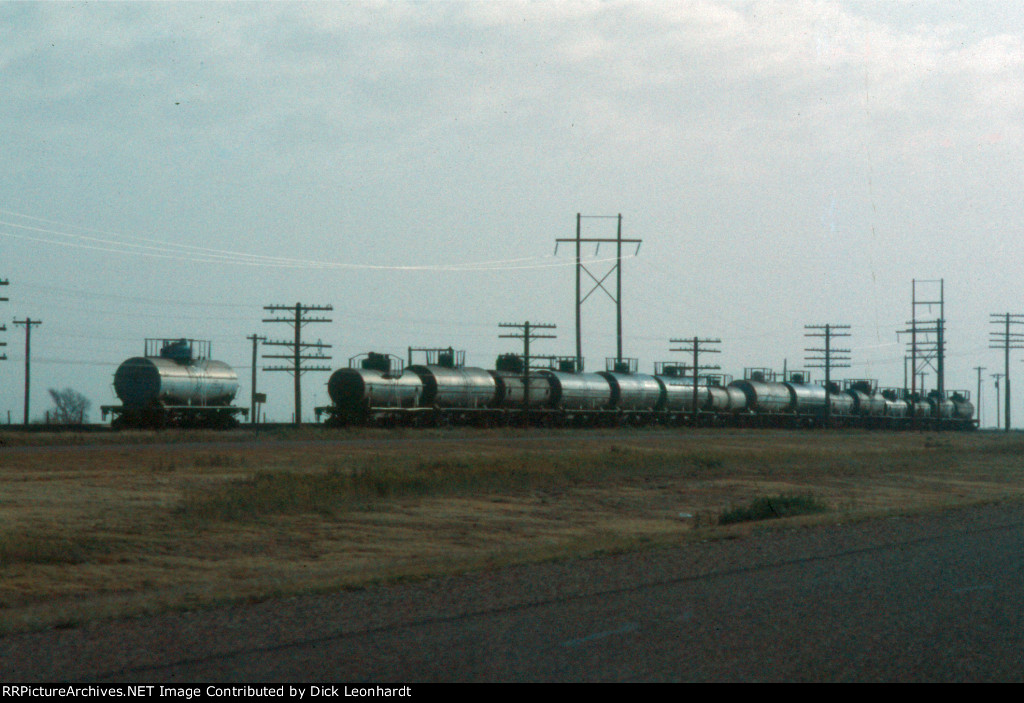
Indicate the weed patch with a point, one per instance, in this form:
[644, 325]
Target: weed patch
[268, 493]
[366, 485]
[218, 461]
[38, 549]
[772, 507]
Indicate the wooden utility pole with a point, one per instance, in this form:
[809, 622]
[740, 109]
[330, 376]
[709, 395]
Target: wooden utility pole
[1006, 340]
[255, 339]
[3, 328]
[997, 376]
[527, 333]
[27, 323]
[830, 358]
[695, 348]
[977, 401]
[297, 347]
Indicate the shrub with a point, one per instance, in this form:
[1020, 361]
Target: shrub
[771, 507]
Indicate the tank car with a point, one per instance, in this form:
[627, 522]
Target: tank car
[897, 410]
[464, 387]
[866, 403]
[634, 392]
[175, 383]
[809, 399]
[920, 410]
[578, 394]
[511, 390]
[728, 399]
[443, 390]
[943, 409]
[765, 397]
[679, 395]
[356, 392]
[963, 409]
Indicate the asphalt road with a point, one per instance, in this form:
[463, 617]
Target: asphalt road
[928, 598]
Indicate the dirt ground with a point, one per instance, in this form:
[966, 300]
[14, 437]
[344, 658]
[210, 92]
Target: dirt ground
[98, 527]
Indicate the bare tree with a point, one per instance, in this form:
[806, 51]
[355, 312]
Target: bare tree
[70, 407]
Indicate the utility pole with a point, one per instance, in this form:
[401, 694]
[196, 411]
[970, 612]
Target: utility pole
[695, 348]
[3, 328]
[977, 400]
[1006, 340]
[527, 333]
[997, 376]
[599, 282]
[297, 347]
[255, 339]
[830, 359]
[27, 322]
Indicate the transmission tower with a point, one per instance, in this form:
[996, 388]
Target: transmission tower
[28, 322]
[527, 333]
[830, 358]
[1006, 340]
[697, 346]
[927, 346]
[599, 282]
[297, 348]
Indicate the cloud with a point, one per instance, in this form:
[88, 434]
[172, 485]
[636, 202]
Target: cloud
[823, 151]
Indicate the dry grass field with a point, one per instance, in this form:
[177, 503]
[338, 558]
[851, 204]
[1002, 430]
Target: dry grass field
[96, 526]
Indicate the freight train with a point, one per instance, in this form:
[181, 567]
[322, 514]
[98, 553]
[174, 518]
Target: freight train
[174, 384]
[376, 390]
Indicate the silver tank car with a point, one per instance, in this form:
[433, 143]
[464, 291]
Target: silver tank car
[679, 395]
[579, 391]
[511, 390]
[765, 396]
[356, 389]
[144, 381]
[866, 405]
[465, 387]
[808, 398]
[942, 408]
[634, 391]
[727, 399]
[842, 404]
[963, 408]
[897, 408]
[920, 408]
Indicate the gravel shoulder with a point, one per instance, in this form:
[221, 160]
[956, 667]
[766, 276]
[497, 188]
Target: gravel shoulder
[139, 648]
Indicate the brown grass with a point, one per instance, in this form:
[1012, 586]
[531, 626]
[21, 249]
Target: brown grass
[113, 525]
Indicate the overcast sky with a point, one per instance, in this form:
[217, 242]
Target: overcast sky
[169, 169]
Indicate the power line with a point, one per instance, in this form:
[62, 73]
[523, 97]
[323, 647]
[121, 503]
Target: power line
[197, 254]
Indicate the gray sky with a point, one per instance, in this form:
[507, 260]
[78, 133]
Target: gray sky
[169, 169]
